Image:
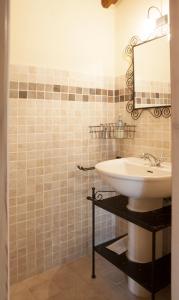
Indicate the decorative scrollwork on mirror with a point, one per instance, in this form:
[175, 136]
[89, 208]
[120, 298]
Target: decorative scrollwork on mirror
[157, 112]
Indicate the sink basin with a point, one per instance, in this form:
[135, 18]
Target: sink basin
[134, 177]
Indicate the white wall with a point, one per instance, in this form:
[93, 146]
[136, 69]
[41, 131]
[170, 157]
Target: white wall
[74, 35]
[130, 19]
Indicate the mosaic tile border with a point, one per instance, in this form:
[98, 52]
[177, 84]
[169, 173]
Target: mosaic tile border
[31, 90]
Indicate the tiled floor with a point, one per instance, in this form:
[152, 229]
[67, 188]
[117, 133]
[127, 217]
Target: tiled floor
[73, 282]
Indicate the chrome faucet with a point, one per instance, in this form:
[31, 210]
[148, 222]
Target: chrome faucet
[154, 161]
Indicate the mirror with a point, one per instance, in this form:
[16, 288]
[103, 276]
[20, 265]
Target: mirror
[152, 73]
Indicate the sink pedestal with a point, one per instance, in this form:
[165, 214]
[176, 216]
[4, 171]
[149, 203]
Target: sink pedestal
[140, 240]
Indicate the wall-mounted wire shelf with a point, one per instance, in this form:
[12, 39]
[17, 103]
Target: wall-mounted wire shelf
[112, 131]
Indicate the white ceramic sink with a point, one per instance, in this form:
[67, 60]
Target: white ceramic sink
[134, 177]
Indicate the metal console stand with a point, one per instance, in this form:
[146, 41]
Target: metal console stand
[152, 221]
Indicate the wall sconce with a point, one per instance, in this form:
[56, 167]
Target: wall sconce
[162, 20]
[155, 24]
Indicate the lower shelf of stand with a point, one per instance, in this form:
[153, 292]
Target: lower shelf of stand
[141, 273]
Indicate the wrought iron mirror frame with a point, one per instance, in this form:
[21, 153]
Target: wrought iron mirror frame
[157, 112]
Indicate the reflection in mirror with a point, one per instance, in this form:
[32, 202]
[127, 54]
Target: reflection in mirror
[152, 73]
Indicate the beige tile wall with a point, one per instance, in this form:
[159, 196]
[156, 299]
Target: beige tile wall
[50, 218]
[152, 135]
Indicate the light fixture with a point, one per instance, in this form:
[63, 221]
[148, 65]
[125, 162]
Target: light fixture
[155, 23]
[153, 12]
[160, 20]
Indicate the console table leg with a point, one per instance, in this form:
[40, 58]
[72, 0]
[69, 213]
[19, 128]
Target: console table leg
[93, 234]
[153, 263]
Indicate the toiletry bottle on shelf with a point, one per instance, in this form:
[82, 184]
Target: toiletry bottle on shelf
[120, 128]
